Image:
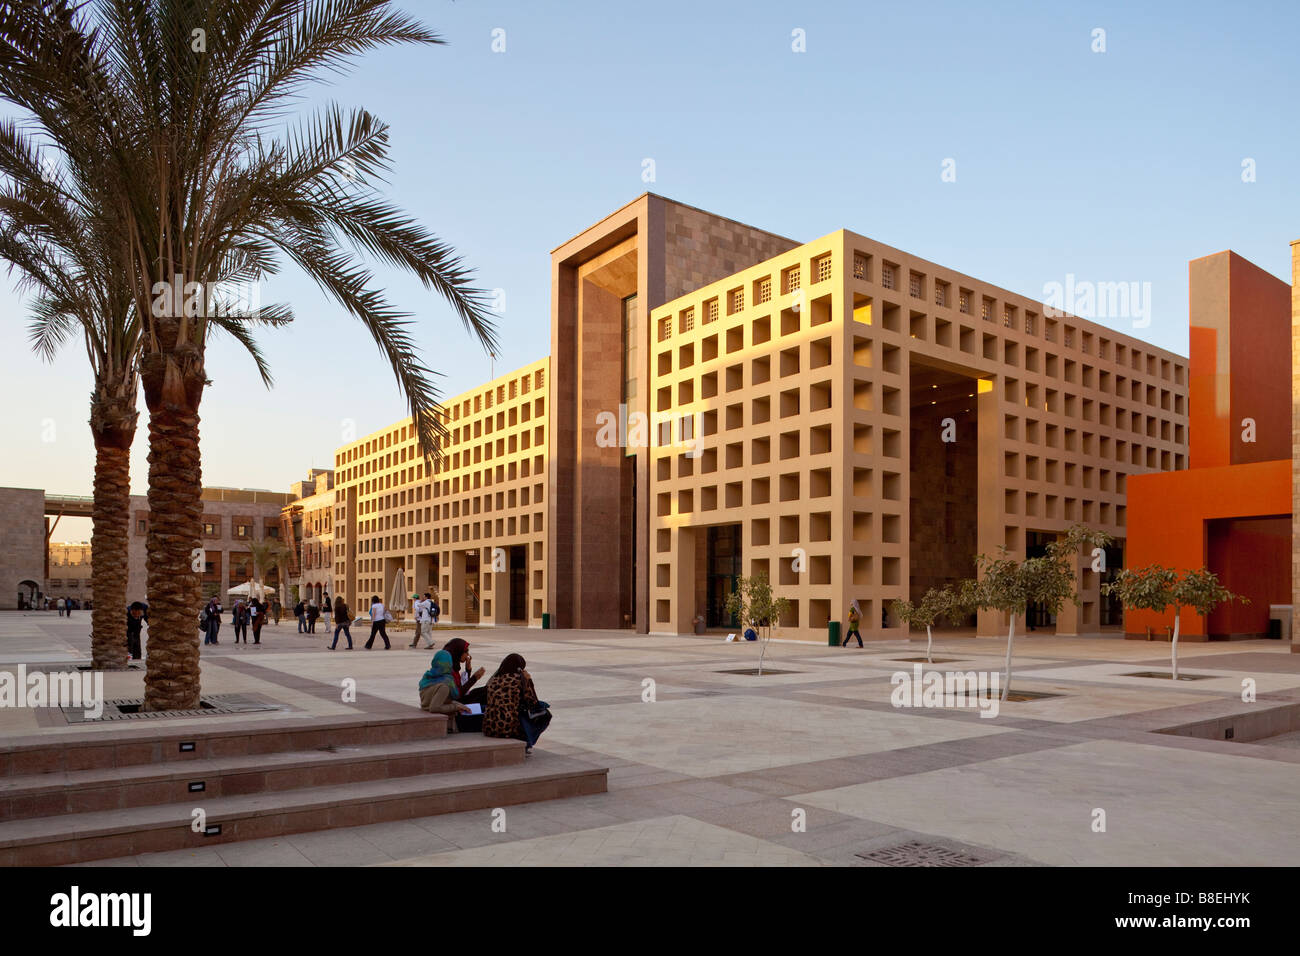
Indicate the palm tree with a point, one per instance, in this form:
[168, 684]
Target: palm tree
[64, 254]
[267, 554]
[175, 101]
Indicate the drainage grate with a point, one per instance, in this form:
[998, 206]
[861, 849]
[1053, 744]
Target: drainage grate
[916, 853]
[1013, 696]
[214, 705]
[1168, 674]
[922, 660]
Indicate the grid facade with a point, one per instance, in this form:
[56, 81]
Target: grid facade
[801, 420]
[461, 528]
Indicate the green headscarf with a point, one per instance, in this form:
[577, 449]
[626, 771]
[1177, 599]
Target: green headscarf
[441, 671]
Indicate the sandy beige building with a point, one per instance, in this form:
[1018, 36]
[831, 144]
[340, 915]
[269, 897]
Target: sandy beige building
[69, 570]
[232, 519]
[307, 531]
[850, 419]
[472, 529]
[857, 423]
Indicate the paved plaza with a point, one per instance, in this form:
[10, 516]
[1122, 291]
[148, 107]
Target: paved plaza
[812, 766]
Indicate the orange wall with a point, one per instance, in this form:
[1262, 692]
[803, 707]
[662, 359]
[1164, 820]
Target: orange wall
[1167, 514]
[1239, 362]
[1260, 307]
[1252, 557]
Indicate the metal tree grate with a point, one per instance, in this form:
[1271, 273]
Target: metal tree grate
[214, 705]
[916, 853]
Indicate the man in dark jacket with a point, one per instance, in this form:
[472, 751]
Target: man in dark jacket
[136, 615]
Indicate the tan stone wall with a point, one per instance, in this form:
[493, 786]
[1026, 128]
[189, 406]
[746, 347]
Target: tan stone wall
[700, 248]
[224, 505]
[22, 518]
[70, 571]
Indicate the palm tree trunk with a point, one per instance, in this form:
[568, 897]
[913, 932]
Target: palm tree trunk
[173, 388]
[113, 425]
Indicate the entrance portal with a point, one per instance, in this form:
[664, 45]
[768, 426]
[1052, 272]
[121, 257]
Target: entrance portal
[944, 476]
[471, 587]
[722, 568]
[518, 583]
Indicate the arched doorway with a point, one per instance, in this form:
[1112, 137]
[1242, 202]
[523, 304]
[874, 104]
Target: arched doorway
[28, 592]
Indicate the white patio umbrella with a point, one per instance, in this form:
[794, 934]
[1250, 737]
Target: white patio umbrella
[249, 589]
[397, 600]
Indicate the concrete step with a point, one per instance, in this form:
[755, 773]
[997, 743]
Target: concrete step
[97, 835]
[205, 778]
[148, 742]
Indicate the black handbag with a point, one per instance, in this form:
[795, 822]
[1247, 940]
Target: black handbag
[533, 720]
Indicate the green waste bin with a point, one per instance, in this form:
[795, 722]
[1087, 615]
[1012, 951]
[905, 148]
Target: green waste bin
[546, 620]
[833, 633]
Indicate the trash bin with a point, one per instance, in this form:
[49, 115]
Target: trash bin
[833, 633]
[546, 620]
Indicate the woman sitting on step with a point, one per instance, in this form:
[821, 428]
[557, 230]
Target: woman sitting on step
[466, 692]
[438, 693]
[509, 692]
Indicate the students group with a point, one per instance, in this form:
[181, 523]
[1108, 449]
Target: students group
[508, 705]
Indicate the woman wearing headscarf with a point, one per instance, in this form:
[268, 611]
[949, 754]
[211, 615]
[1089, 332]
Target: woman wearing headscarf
[458, 648]
[510, 688]
[438, 694]
[855, 619]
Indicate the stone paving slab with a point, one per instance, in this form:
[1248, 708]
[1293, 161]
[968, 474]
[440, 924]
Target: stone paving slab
[711, 772]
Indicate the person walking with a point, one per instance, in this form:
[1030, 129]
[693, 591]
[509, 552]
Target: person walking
[855, 619]
[275, 610]
[58, 605]
[240, 618]
[257, 612]
[67, 606]
[313, 612]
[435, 609]
[211, 621]
[326, 611]
[136, 616]
[378, 623]
[422, 621]
[342, 618]
[300, 612]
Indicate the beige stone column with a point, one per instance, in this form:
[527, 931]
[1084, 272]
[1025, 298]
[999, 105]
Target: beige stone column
[684, 581]
[989, 533]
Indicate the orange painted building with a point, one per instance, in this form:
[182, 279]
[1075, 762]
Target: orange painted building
[1230, 511]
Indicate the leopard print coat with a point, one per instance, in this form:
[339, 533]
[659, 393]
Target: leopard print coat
[501, 715]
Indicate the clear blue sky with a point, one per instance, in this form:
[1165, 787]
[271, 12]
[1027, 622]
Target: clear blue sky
[1114, 166]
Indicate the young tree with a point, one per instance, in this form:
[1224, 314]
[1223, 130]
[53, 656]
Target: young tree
[752, 603]
[171, 108]
[937, 603]
[1010, 586]
[1156, 588]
